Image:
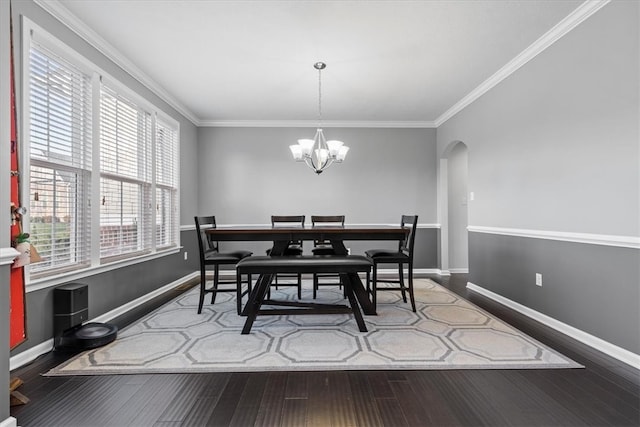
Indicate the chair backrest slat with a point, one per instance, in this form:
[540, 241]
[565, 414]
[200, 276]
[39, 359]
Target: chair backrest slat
[327, 219]
[292, 220]
[205, 241]
[406, 245]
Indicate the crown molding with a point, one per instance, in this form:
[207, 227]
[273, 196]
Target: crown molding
[582, 12]
[62, 14]
[314, 124]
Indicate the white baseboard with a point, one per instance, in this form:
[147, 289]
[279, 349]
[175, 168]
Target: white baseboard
[599, 344]
[9, 422]
[32, 353]
[419, 271]
[110, 315]
[459, 270]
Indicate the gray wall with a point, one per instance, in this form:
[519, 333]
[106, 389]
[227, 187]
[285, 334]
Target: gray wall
[554, 147]
[247, 174]
[110, 290]
[591, 287]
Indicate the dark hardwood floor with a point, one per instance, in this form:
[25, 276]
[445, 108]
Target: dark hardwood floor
[605, 393]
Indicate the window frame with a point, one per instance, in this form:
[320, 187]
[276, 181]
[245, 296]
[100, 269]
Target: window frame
[96, 264]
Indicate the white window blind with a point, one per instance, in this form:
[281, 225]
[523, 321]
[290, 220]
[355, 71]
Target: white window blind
[59, 97]
[125, 171]
[166, 167]
[102, 176]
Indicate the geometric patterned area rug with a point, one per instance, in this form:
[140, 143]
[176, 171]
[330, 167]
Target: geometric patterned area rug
[447, 332]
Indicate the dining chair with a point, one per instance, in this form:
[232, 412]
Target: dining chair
[404, 255]
[294, 248]
[210, 255]
[324, 248]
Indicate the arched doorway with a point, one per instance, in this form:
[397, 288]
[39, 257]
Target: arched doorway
[454, 208]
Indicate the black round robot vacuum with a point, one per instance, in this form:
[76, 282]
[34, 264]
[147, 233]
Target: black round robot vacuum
[88, 336]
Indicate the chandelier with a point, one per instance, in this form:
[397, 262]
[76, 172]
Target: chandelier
[318, 153]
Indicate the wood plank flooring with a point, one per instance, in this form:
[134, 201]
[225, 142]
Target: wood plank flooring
[605, 393]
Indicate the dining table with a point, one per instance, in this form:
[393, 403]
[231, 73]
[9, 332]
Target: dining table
[336, 235]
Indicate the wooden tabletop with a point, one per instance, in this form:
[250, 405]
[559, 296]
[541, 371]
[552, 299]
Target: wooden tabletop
[347, 232]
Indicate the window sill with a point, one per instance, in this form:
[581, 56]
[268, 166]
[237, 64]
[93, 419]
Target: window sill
[47, 282]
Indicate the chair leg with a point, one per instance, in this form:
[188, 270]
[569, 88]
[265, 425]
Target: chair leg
[315, 285]
[203, 286]
[413, 300]
[216, 278]
[401, 281]
[239, 293]
[374, 286]
[344, 289]
[299, 286]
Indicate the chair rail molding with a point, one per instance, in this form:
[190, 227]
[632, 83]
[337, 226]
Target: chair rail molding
[632, 242]
[7, 255]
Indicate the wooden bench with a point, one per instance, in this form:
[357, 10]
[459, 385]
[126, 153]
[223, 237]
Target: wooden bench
[267, 267]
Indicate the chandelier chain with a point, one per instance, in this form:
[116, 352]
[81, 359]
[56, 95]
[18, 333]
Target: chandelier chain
[319, 96]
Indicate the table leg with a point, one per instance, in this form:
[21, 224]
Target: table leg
[278, 248]
[339, 248]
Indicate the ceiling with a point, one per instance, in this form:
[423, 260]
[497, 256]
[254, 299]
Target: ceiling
[235, 62]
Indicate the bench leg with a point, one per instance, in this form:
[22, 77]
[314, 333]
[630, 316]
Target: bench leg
[355, 307]
[368, 307]
[255, 301]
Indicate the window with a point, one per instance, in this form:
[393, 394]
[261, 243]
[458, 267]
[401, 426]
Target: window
[60, 161]
[125, 176]
[103, 164]
[167, 227]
